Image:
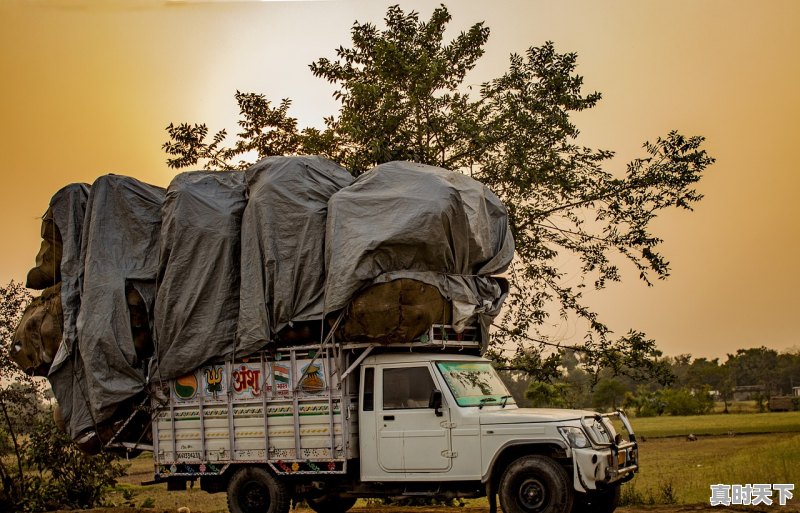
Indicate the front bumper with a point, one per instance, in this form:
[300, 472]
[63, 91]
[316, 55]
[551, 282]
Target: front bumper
[611, 460]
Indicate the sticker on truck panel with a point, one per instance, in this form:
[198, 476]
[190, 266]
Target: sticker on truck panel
[185, 387]
[281, 375]
[312, 381]
[214, 382]
[248, 381]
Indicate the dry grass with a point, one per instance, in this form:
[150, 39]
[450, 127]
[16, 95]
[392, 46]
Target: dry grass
[779, 422]
[688, 469]
[157, 496]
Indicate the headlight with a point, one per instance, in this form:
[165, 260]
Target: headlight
[575, 437]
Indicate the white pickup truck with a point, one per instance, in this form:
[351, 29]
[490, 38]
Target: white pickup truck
[332, 423]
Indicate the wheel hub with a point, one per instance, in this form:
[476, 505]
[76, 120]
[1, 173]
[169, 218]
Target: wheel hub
[255, 498]
[532, 494]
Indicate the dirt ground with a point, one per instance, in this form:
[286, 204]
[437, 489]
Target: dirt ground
[792, 507]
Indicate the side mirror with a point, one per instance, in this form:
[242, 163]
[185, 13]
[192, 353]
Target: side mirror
[435, 402]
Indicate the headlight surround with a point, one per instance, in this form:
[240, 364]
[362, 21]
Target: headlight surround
[575, 437]
[600, 431]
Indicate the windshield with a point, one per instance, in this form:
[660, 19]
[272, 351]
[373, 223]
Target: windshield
[474, 383]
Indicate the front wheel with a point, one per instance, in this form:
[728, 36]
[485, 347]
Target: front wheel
[535, 484]
[255, 490]
[331, 504]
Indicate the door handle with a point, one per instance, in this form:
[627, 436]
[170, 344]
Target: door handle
[388, 417]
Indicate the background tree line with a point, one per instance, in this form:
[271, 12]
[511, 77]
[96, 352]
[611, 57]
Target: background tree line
[682, 386]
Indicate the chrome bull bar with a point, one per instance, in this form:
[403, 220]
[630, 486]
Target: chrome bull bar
[624, 458]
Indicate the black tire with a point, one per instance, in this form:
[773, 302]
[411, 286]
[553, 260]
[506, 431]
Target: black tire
[535, 484]
[256, 490]
[331, 504]
[598, 501]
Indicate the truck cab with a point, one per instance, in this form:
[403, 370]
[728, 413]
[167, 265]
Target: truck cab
[435, 418]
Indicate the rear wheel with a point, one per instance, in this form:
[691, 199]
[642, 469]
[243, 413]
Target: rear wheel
[535, 484]
[331, 503]
[255, 490]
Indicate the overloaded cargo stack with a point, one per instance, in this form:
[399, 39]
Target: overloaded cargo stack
[156, 284]
[410, 245]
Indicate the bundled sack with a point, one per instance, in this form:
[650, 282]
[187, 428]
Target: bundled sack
[39, 333]
[97, 378]
[408, 221]
[61, 224]
[283, 248]
[47, 271]
[197, 304]
[38, 336]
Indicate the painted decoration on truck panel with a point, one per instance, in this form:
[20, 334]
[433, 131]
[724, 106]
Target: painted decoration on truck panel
[248, 380]
[281, 374]
[312, 381]
[185, 387]
[214, 381]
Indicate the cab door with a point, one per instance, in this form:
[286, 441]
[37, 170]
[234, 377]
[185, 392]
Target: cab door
[410, 436]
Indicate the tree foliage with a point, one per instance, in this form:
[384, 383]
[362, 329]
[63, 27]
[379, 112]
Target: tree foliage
[403, 94]
[40, 468]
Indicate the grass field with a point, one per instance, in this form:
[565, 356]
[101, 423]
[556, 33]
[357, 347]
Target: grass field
[783, 422]
[675, 469]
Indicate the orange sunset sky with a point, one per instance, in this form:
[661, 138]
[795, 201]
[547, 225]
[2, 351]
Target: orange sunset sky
[88, 86]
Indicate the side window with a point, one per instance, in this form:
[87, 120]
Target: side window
[369, 389]
[407, 387]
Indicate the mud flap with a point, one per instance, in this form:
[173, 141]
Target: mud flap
[491, 494]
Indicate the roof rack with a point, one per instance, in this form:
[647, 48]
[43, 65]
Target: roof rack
[437, 336]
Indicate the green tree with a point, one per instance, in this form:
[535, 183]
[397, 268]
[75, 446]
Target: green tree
[403, 94]
[547, 395]
[16, 393]
[683, 401]
[609, 393]
[756, 366]
[40, 468]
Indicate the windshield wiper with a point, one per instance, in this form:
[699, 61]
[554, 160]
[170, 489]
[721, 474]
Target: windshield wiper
[487, 400]
[505, 399]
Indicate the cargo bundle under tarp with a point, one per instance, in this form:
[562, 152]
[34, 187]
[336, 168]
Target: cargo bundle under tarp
[283, 248]
[68, 209]
[197, 305]
[410, 221]
[119, 255]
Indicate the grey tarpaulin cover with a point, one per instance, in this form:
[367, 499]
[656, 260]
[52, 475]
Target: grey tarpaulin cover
[197, 304]
[68, 207]
[407, 220]
[283, 244]
[119, 248]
